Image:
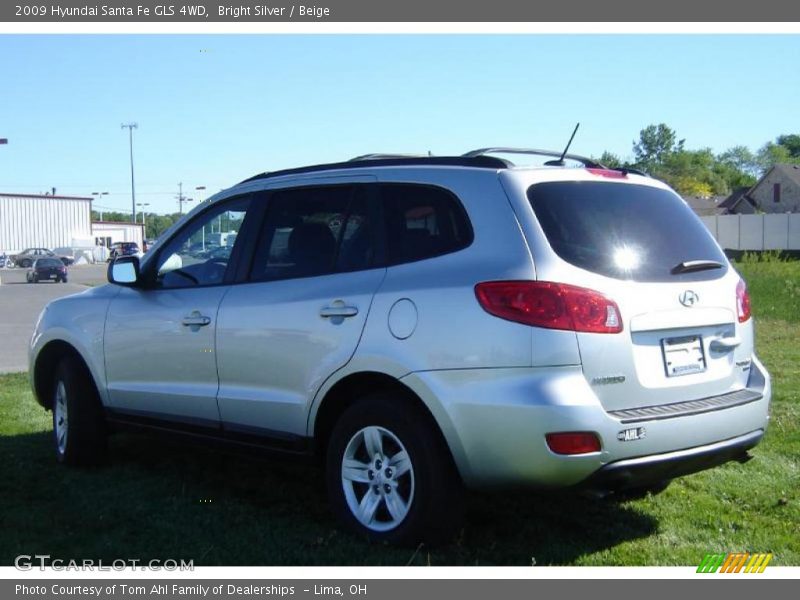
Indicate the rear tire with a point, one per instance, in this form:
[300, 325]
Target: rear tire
[79, 428]
[390, 475]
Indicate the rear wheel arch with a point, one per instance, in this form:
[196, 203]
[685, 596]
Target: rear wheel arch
[356, 386]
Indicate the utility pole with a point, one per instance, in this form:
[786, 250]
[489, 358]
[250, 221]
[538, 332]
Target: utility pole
[131, 127]
[181, 198]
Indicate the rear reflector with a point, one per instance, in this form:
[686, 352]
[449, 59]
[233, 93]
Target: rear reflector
[550, 305]
[573, 442]
[742, 301]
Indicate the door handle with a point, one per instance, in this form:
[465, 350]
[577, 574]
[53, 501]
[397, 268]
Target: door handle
[196, 320]
[338, 310]
[724, 344]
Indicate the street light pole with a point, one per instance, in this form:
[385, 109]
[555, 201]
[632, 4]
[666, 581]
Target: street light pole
[131, 127]
[99, 196]
[144, 218]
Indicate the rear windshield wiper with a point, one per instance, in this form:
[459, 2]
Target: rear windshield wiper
[688, 266]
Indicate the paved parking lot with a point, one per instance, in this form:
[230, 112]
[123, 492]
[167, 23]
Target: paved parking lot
[21, 303]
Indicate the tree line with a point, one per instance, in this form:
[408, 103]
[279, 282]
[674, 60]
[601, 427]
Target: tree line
[155, 224]
[660, 153]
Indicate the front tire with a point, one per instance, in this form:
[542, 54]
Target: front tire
[390, 475]
[79, 429]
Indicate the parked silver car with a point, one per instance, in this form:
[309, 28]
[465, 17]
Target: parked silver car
[422, 325]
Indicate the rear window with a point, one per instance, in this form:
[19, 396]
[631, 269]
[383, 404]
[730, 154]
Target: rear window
[624, 231]
[49, 262]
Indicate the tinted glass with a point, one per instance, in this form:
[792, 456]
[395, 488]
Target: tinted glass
[199, 254]
[314, 231]
[422, 222]
[49, 262]
[623, 231]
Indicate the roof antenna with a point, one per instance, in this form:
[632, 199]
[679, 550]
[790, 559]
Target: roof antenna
[560, 161]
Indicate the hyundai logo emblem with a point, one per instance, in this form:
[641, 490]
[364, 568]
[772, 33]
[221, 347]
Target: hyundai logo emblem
[689, 298]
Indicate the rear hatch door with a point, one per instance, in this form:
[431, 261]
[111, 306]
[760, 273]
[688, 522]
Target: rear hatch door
[642, 246]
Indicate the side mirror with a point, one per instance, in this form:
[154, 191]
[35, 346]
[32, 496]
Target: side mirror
[124, 271]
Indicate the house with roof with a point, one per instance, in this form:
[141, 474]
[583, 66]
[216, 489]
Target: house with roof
[738, 203]
[778, 191]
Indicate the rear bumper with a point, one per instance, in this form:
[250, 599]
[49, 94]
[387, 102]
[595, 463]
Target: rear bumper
[495, 422]
[646, 470]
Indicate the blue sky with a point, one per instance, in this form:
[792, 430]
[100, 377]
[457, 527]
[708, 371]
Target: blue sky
[213, 110]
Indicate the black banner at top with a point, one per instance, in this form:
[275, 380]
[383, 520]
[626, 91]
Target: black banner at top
[469, 11]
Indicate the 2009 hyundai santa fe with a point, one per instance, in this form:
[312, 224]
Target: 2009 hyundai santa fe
[423, 325]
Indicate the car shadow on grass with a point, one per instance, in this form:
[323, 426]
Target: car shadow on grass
[157, 498]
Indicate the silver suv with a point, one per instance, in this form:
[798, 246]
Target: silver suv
[422, 325]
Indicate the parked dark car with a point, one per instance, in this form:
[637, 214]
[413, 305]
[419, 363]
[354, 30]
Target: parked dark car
[124, 249]
[27, 257]
[47, 269]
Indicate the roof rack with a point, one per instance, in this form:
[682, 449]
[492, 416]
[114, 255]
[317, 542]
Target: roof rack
[481, 162]
[586, 162]
[380, 156]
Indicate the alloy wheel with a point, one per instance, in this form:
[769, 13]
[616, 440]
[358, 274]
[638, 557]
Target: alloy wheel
[60, 421]
[377, 478]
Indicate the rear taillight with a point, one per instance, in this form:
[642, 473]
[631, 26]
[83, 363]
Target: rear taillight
[550, 305]
[573, 442]
[742, 301]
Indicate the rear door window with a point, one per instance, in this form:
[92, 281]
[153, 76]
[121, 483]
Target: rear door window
[625, 231]
[314, 231]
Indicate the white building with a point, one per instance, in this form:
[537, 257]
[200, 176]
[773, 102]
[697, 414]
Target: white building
[106, 233]
[34, 221]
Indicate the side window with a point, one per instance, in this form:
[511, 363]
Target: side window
[199, 254]
[314, 231]
[422, 222]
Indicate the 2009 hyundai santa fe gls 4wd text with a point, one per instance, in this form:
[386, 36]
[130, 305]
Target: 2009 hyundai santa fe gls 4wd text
[423, 325]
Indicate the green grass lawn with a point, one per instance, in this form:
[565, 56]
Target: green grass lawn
[162, 500]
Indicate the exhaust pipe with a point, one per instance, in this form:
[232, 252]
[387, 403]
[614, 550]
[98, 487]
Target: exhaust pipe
[744, 457]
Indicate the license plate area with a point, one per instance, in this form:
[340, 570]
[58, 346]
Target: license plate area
[683, 355]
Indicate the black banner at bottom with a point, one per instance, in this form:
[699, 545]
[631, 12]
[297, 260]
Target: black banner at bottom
[387, 589]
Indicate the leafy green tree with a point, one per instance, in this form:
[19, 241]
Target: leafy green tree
[773, 153]
[741, 159]
[656, 143]
[610, 160]
[791, 142]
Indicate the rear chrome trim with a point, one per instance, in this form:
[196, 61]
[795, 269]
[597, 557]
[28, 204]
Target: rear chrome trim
[690, 407]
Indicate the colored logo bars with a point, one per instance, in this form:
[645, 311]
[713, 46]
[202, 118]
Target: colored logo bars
[735, 562]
